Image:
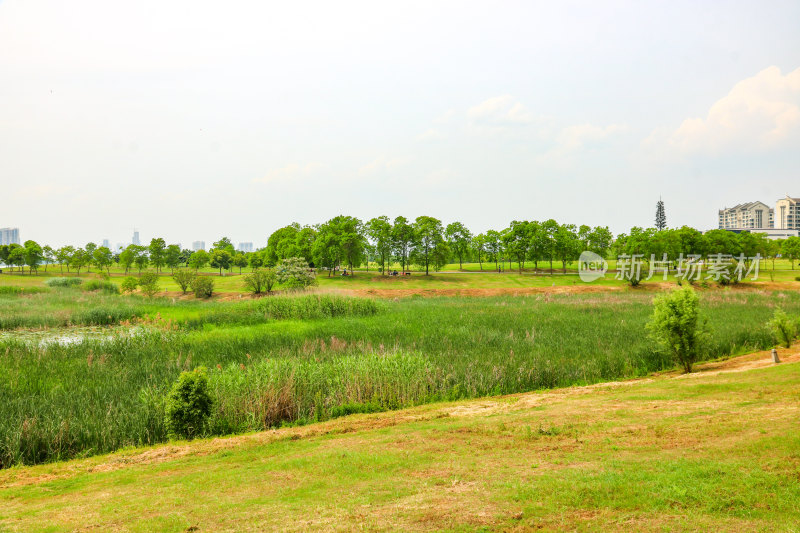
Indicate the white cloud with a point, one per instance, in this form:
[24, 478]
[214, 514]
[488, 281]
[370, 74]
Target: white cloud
[499, 111]
[759, 114]
[290, 172]
[580, 136]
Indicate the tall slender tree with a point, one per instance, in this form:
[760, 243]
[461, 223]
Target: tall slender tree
[661, 216]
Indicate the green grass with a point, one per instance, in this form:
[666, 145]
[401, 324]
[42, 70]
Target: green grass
[709, 452]
[305, 357]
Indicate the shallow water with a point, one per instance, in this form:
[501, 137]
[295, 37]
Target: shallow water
[68, 336]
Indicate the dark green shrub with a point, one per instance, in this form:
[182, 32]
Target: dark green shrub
[260, 281]
[203, 287]
[782, 328]
[129, 284]
[354, 408]
[63, 282]
[104, 286]
[188, 404]
[148, 283]
[184, 279]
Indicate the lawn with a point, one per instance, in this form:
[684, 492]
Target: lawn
[711, 451]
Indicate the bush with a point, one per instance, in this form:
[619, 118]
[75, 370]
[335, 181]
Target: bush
[260, 281]
[105, 286]
[782, 328]
[203, 286]
[63, 282]
[129, 284]
[188, 404]
[295, 273]
[677, 325]
[148, 283]
[184, 279]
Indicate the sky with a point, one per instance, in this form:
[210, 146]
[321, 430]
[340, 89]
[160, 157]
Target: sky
[191, 120]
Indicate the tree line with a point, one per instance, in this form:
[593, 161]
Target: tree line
[345, 242]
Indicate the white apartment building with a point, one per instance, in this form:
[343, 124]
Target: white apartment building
[198, 245]
[750, 215]
[9, 236]
[245, 246]
[787, 213]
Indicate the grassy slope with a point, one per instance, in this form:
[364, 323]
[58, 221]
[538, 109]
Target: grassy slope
[718, 452]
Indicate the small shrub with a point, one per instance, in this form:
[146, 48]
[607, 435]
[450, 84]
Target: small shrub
[104, 286]
[129, 284]
[260, 281]
[782, 328]
[203, 287]
[354, 408]
[148, 283]
[796, 278]
[184, 279]
[188, 404]
[63, 282]
[678, 326]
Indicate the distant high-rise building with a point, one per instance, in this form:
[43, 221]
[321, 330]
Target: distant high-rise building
[198, 245]
[9, 236]
[245, 247]
[751, 215]
[135, 239]
[106, 243]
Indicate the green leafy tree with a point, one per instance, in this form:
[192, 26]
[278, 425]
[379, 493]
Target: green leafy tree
[64, 257]
[679, 327]
[188, 405]
[428, 231]
[184, 279]
[157, 252]
[567, 245]
[49, 256]
[4, 251]
[493, 244]
[260, 281]
[140, 258]
[255, 260]
[103, 258]
[89, 249]
[172, 257]
[295, 273]
[148, 283]
[127, 257]
[478, 247]
[240, 261]
[379, 231]
[458, 239]
[221, 258]
[403, 240]
[79, 259]
[549, 228]
[33, 255]
[199, 259]
[516, 240]
[791, 249]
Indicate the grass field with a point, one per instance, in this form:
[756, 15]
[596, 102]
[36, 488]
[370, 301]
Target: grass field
[300, 359]
[709, 451]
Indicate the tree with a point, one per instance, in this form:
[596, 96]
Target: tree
[295, 273]
[223, 244]
[103, 258]
[661, 216]
[157, 251]
[188, 405]
[566, 244]
[403, 238]
[64, 256]
[198, 259]
[493, 246]
[260, 281]
[89, 248]
[791, 249]
[172, 257]
[255, 260]
[148, 283]
[127, 257]
[678, 326]
[428, 231]
[49, 256]
[140, 258]
[33, 255]
[459, 238]
[78, 259]
[16, 256]
[4, 251]
[548, 240]
[478, 246]
[221, 258]
[184, 279]
[129, 284]
[783, 328]
[516, 241]
[239, 260]
[202, 286]
[379, 230]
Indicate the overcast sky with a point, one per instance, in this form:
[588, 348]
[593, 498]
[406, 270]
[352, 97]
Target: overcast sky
[192, 120]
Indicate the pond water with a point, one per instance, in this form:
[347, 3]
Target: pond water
[67, 336]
